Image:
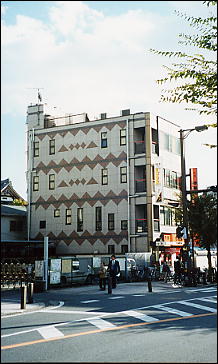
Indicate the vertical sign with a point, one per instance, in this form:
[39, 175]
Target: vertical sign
[193, 181]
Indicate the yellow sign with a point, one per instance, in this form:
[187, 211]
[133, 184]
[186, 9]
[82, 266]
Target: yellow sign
[157, 176]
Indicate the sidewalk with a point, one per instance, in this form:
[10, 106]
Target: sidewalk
[11, 301]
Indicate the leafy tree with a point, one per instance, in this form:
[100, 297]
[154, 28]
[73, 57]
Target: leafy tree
[199, 72]
[202, 218]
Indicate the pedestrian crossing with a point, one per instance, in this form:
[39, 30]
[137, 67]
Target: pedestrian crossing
[114, 320]
[148, 314]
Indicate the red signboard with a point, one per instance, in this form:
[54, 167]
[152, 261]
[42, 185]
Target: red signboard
[193, 179]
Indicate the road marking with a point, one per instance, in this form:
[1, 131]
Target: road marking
[206, 289]
[115, 298]
[192, 304]
[173, 310]
[101, 324]
[140, 316]
[99, 331]
[138, 295]
[49, 332]
[90, 301]
[209, 299]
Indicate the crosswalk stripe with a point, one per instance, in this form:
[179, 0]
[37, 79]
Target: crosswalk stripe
[101, 324]
[173, 310]
[206, 308]
[209, 299]
[138, 295]
[49, 332]
[115, 298]
[89, 301]
[140, 316]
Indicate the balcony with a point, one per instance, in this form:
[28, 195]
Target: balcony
[141, 225]
[139, 147]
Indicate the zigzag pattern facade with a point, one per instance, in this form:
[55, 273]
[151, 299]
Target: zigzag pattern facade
[80, 201]
[74, 131]
[81, 164]
[91, 238]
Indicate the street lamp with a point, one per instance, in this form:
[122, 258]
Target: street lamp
[184, 133]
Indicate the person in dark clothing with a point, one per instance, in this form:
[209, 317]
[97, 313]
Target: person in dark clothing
[114, 269]
[177, 269]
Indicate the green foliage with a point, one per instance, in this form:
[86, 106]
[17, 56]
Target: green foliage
[202, 214]
[197, 74]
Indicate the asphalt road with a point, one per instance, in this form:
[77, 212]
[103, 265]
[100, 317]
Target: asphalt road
[132, 325]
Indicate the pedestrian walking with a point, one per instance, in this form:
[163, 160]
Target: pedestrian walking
[102, 276]
[114, 270]
[166, 271]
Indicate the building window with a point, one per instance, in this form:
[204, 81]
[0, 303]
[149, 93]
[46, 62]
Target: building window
[123, 175]
[111, 249]
[68, 220]
[57, 213]
[124, 225]
[104, 176]
[123, 137]
[110, 221]
[98, 219]
[16, 225]
[36, 183]
[167, 216]
[104, 140]
[124, 249]
[51, 181]
[156, 218]
[36, 149]
[42, 224]
[52, 146]
[80, 219]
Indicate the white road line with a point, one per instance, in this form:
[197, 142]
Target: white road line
[173, 310]
[47, 332]
[101, 324]
[90, 301]
[140, 316]
[77, 312]
[206, 289]
[192, 304]
[116, 297]
[138, 295]
[209, 299]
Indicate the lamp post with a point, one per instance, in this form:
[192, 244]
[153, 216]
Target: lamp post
[184, 133]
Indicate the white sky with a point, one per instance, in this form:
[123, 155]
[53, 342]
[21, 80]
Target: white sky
[93, 57]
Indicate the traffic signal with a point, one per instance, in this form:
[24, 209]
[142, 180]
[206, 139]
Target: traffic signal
[179, 232]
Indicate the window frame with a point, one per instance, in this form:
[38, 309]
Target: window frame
[68, 217]
[80, 219]
[104, 176]
[35, 183]
[51, 181]
[59, 213]
[111, 221]
[104, 143]
[122, 137]
[123, 176]
[51, 147]
[98, 221]
[36, 149]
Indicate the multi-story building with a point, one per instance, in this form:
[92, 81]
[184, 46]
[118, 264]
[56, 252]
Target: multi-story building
[105, 186]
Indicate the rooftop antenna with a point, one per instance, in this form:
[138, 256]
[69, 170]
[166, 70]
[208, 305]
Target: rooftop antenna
[38, 93]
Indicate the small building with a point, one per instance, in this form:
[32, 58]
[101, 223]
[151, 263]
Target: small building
[105, 186]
